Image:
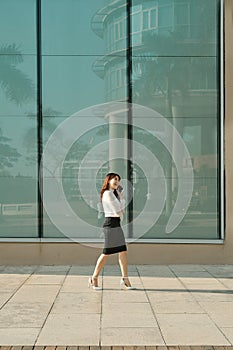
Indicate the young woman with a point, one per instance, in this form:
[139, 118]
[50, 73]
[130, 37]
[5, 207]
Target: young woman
[114, 241]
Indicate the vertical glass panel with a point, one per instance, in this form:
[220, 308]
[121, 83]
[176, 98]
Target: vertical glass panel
[83, 67]
[18, 27]
[18, 177]
[176, 75]
[18, 122]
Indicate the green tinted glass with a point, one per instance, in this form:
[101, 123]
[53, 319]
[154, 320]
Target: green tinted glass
[18, 177]
[18, 122]
[84, 64]
[176, 74]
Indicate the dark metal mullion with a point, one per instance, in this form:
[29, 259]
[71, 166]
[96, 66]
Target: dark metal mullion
[129, 127]
[220, 204]
[39, 119]
[221, 114]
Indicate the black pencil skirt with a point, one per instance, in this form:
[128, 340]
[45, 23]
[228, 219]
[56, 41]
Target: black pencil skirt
[114, 239]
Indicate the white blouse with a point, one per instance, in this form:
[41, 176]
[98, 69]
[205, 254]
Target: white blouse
[111, 205]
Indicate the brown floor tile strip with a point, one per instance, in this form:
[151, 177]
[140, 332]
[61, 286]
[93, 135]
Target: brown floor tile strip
[230, 347]
[201, 347]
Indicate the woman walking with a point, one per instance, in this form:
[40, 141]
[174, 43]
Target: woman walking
[114, 242]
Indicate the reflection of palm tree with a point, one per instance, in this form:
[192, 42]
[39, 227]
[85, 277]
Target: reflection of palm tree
[8, 155]
[160, 75]
[49, 126]
[19, 89]
[14, 83]
[161, 79]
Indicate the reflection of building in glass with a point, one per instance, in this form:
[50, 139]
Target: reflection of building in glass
[71, 175]
[174, 65]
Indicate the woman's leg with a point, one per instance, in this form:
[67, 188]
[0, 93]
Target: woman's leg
[124, 267]
[98, 267]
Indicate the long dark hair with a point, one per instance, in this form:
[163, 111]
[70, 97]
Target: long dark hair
[105, 186]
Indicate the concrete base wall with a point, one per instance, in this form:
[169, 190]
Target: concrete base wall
[73, 253]
[77, 254]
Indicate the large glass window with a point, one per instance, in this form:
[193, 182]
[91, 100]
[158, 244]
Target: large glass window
[171, 78]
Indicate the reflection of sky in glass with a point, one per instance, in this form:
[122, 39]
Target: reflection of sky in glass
[66, 27]
[17, 24]
[69, 83]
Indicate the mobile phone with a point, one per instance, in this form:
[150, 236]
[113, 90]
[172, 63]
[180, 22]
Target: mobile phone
[120, 188]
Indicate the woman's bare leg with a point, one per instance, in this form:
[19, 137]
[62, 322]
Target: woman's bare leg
[124, 267]
[98, 267]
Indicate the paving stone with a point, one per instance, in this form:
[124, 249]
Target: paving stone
[16, 336]
[155, 271]
[190, 329]
[115, 296]
[36, 293]
[23, 269]
[178, 307]
[227, 282]
[74, 329]
[194, 274]
[128, 315]
[67, 303]
[53, 268]
[172, 295]
[220, 312]
[77, 284]
[162, 283]
[186, 267]
[23, 315]
[9, 283]
[213, 295]
[4, 297]
[131, 336]
[228, 332]
[76, 270]
[45, 279]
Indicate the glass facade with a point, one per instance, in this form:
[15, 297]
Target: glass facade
[67, 60]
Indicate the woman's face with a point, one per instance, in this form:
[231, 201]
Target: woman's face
[114, 183]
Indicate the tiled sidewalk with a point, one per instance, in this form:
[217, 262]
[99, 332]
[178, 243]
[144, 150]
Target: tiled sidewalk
[173, 305]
